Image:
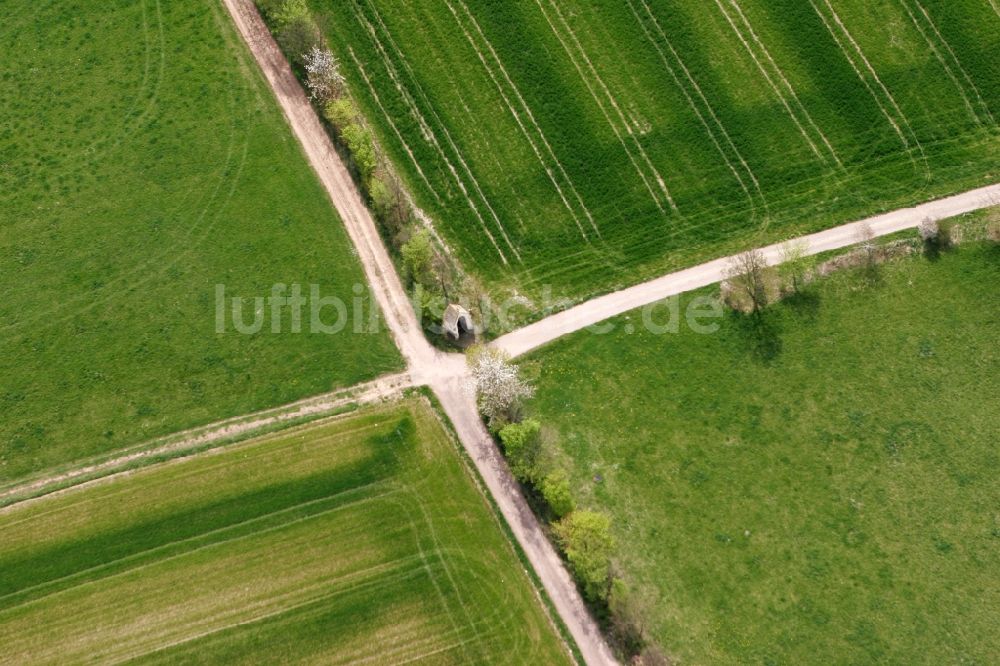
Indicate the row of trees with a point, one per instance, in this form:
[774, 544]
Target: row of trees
[583, 535]
[433, 277]
[751, 283]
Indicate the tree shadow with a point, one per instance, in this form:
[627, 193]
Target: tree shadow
[804, 302]
[759, 333]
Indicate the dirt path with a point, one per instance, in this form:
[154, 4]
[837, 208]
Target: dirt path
[189, 440]
[444, 373]
[604, 307]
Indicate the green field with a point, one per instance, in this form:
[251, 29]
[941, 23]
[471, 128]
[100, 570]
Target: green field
[361, 538]
[831, 501]
[143, 160]
[588, 145]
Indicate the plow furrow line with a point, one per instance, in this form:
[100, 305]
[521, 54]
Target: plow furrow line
[614, 104]
[782, 78]
[958, 63]
[603, 108]
[861, 77]
[517, 116]
[701, 95]
[871, 70]
[531, 117]
[694, 107]
[944, 64]
[444, 129]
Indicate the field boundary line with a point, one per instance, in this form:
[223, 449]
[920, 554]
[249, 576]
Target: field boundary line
[527, 111]
[437, 118]
[370, 392]
[598, 309]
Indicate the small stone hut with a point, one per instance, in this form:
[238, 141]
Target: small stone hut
[456, 321]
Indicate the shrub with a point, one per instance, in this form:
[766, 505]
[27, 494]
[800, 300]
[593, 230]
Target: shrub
[585, 537]
[362, 146]
[341, 113]
[521, 444]
[556, 491]
[993, 231]
[499, 387]
[298, 37]
[418, 257]
[389, 204]
[283, 12]
[323, 77]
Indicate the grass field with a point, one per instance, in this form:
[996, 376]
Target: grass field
[832, 502]
[588, 145]
[143, 161]
[362, 538]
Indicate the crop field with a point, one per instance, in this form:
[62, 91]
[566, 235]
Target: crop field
[588, 145]
[143, 160]
[834, 501]
[362, 539]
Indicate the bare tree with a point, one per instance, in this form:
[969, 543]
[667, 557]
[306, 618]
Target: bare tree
[929, 230]
[793, 264]
[746, 275]
[869, 250]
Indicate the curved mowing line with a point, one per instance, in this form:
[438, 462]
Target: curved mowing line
[427, 131]
[694, 107]
[531, 117]
[781, 77]
[392, 124]
[443, 127]
[614, 103]
[954, 57]
[995, 6]
[604, 111]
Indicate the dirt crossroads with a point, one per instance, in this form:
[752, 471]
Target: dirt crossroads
[446, 374]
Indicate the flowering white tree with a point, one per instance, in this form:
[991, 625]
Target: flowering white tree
[929, 230]
[498, 383]
[323, 77]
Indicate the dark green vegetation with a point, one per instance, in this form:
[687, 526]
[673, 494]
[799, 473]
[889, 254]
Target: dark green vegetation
[537, 133]
[827, 493]
[143, 161]
[361, 537]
